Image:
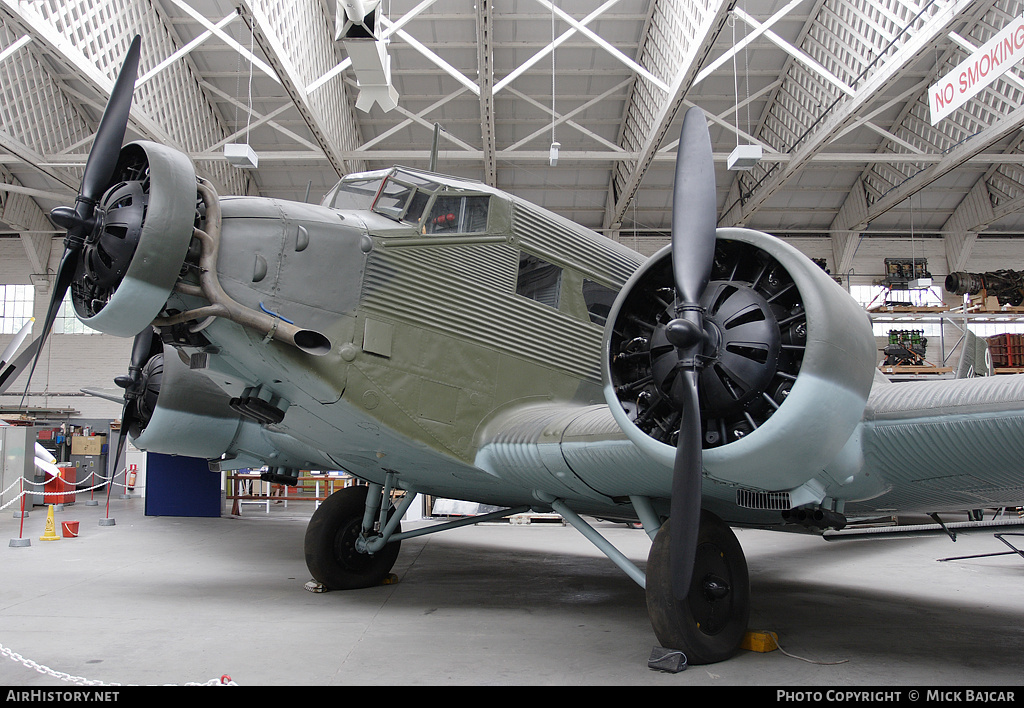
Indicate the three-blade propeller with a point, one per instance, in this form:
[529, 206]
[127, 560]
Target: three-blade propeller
[694, 220]
[80, 220]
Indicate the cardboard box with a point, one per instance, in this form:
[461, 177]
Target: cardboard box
[88, 445]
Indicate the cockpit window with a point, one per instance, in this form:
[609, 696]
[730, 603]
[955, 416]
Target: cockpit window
[457, 214]
[354, 193]
[406, 196]
[393, 199]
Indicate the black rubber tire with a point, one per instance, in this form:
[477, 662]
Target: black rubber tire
[331, 556]
[705, 629]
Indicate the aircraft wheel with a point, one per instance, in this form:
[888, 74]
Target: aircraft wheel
[709, 624]
[330, 544]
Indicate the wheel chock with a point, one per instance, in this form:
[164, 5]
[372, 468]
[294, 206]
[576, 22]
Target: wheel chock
[671, 661]
[50, 533]
[760, 641]
[314, 586]
[390, 580]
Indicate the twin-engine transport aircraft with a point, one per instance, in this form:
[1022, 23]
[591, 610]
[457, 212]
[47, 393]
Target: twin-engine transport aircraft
[437, 336]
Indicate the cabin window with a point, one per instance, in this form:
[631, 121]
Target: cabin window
[539, 280]
[461, 214]
[599, 301]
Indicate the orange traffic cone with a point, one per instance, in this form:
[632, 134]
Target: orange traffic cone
[50, 533]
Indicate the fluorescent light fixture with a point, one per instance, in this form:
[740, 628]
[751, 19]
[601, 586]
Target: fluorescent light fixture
[744, 157]
[241, 155]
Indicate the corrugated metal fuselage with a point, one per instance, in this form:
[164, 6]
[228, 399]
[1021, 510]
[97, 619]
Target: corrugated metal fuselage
[434, 348]
[447, 372]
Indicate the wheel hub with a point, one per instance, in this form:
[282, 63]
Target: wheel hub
[711, 596]
[714, 588]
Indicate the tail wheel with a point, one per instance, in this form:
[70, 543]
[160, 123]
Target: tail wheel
[330, 544]
[708, 625]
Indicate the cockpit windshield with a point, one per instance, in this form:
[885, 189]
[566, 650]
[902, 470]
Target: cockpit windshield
[413, 199]
[356, 191]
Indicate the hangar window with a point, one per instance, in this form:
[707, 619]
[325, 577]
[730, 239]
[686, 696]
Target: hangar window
[539, 280]
[16, 302]
[67, 322]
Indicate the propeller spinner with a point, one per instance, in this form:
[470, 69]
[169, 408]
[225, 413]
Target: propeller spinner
[694, 220]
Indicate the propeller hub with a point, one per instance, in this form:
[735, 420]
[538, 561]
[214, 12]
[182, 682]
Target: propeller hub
[684, 333]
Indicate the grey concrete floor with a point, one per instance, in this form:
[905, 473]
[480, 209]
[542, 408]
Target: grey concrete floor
[165, 600]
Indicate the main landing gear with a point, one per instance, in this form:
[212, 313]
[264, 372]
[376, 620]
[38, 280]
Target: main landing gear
[353, 540]
[708, 625]
[335, 544]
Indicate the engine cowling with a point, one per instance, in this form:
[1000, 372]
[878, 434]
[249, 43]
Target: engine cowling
[181, 412]
[132, 258]
[788, 363]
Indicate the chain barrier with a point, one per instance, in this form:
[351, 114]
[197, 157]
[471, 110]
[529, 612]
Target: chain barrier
[224, 680]
[21, 480]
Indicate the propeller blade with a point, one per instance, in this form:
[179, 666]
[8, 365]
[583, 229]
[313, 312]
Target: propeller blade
[694, 209]
[142, 347]
[112, 395]
[48, 467]
[45, 460]
[694, 220]
[686, 488]
[65, 274]
[106, 145]
[127, 419]
[19, 338]
[99, 170]
[43, 454]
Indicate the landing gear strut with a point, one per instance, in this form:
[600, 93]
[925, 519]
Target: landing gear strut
[335, 555]
[709, 624]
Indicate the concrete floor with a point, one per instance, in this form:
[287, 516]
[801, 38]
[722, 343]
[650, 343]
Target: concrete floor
[164, 600]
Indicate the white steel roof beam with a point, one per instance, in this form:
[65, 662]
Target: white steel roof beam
[267, 119]
[796, 54]
[299, 45]
[560, 119]
[415, 118]
[187, 49]
[604, 44]
[846, 110]
[711, 20]
[525, 66]
[564, 119]
[433, 57]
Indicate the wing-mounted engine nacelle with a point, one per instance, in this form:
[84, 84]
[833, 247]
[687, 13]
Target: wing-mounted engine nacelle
[180, 411]
[787, 363]
[133, 256]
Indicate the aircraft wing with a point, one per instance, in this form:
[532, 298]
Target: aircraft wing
[946, 445]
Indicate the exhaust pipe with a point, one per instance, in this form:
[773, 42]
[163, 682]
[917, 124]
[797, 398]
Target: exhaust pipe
[306, 340]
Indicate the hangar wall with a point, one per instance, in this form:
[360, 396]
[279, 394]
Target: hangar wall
[69, 362]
